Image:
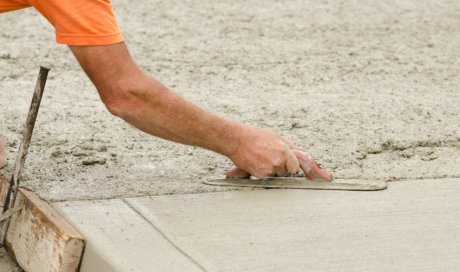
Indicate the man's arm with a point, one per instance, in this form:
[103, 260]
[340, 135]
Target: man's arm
[150, 106]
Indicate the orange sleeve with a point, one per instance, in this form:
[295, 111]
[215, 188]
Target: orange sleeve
[81, 22]
[10, 5]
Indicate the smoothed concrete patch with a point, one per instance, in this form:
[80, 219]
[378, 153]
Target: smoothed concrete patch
[411, 226]
[119, 239]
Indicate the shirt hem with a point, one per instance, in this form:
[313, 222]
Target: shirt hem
[88, 40]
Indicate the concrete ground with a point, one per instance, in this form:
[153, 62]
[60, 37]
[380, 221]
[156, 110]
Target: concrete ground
[7, 264]
[411, 226]
[369, 88]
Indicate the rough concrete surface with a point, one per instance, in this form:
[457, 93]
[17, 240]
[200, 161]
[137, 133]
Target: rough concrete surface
[369, 88]
[411, 226]
[6, 263]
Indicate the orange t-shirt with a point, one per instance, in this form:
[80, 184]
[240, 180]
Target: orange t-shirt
[76, 22]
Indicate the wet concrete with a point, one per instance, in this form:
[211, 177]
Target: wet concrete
[411, 226]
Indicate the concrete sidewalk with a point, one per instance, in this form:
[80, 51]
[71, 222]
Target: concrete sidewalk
[411, 226]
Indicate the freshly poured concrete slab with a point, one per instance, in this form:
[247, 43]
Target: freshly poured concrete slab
[412, 226]
[119, 239]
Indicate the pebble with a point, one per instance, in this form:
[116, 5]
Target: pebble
[92, 161]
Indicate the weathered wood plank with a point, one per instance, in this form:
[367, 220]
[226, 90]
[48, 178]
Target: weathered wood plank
[39, 238]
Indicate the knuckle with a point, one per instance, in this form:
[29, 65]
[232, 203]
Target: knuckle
[277, 162]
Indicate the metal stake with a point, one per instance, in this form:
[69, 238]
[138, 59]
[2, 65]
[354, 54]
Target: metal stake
[23, 148]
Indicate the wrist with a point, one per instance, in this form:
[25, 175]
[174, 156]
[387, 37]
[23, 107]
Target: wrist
[231, 140]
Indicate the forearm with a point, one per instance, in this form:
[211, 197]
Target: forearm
[160, 112]
[149, 105]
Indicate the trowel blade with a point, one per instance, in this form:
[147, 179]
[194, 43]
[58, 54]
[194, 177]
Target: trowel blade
[300, 183]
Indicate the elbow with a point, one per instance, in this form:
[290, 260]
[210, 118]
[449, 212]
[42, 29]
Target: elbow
[116, 106]
[123, 98]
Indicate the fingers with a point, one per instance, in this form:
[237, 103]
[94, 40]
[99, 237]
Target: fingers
[236, 172]
[286, 164]
[296, 160]
[310, 168]
[264, 153]
[292, 163]
[304, 160]
[280, 172]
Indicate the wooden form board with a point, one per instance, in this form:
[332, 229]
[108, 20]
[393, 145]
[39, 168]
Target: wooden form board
[39, 238]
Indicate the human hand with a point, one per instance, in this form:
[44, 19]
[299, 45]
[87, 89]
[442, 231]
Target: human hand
[263, 153]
